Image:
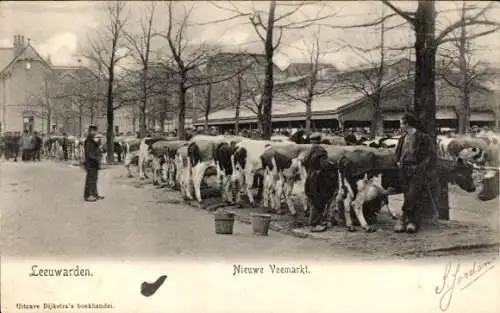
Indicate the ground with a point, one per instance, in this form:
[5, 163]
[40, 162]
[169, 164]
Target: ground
[43, 214]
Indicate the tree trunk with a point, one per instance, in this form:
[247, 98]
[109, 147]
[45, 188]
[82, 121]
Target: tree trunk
[239, 95]
[464, 120]
[377, 123]
[110, 119]
[425, 50]
[181, 118]
[49, 121]
[425, 95]
[308, 115]
[267, 93]
[142, 121]
[80, 121]
[208, 105]
[92, 115]
[162, 115]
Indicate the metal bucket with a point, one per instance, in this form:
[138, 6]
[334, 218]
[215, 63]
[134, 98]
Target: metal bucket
[260, 223]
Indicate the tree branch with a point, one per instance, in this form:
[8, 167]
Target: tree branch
[404, 14]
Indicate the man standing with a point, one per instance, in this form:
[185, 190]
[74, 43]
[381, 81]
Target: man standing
[37, 146]
[27, 146]
[92, 164]
[65, 143]
[415, 153]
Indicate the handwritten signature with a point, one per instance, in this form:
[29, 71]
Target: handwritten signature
[454, 277]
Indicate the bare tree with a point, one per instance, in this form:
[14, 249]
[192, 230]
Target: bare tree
[269, 27]
[188, 60]
[423, 21]
[461, 56]
[140, 44]
[103, 52]
[311, 83]
[373, 78]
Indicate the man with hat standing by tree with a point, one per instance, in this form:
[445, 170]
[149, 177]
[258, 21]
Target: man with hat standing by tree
[415, 154]
[92, 164]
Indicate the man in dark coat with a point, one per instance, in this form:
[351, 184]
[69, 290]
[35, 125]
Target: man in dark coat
[27, 146]
[37, 146]
[92, 165]
[65, 144]
[416, 153]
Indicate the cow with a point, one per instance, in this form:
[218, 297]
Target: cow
[200, 156]
[222, 156]
[450, 148]
[366, 176]
[145, 156]
[131, 153]
[281, 165]
[382, 142]
[334, 140]
[164, 153]
[117, 149]
[321, 182]
[246, 162]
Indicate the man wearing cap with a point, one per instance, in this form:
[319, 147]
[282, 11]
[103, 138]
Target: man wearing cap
[92, 165]
[416, 154]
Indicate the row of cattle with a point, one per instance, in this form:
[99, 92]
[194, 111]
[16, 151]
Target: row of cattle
[357, 178]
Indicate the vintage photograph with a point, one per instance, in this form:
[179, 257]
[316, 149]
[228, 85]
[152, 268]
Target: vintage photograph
[207, 131]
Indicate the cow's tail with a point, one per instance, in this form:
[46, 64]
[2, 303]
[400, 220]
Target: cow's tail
[194, 154]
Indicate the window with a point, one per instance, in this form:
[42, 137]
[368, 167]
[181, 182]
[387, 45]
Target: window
[28, 65]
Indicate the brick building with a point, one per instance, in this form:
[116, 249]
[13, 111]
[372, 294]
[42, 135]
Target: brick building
[30, 89]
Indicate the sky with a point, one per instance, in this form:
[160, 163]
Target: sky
[61, 29]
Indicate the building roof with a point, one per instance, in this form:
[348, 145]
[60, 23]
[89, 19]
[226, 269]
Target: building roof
[323, 105]
[6, 55]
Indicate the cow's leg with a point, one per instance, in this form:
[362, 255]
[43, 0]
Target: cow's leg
[198, 174]
[357, 206]
[267, 184]
[278, 193]
[287, 190]
[385, 205]
[164, 170]
[249, 178]
[141, 166]
[347, 212]
[156, 167]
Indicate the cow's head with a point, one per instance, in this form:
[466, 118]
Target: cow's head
[490, 186]
[462, 175]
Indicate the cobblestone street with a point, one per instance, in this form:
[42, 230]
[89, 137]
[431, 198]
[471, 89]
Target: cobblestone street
[43, 214]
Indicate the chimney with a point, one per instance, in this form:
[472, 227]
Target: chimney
[18, 44]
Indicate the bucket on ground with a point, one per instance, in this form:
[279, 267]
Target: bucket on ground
[224, 223]
[260, 223]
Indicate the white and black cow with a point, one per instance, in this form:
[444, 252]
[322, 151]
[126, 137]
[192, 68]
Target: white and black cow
[164, 153]
[382, 142]
[368, 177]
[145, 155]
[450, 148]
[246, 162]
[201, 157]
[281, 167]
[132, 146]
